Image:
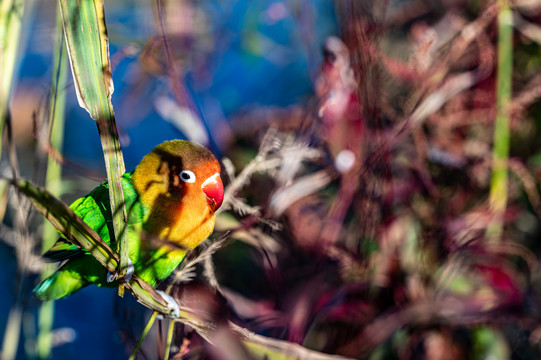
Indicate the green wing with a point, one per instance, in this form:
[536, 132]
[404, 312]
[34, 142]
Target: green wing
[95, 211]
[152, 264]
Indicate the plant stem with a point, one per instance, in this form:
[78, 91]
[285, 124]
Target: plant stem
[11, 16]
[53, 179]
[500, 155]
[169, 340]
[12, 332]
[143, 335]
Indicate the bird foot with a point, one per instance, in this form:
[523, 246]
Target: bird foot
[129, 272]
[171, 305]
[111, 277]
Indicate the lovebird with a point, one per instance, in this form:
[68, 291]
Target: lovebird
[171, 198]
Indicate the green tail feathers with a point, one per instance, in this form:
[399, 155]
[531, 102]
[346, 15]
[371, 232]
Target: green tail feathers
[60, 284]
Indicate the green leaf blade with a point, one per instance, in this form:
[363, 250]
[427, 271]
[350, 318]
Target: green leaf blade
[88, 49]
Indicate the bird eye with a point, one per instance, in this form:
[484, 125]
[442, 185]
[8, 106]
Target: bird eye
[187, 176]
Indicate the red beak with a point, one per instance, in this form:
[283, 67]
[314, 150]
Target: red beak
[213, 188]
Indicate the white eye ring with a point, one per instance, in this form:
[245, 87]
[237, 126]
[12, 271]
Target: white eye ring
[187, 176]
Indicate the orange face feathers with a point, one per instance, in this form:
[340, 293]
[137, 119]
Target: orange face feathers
[174, 169]
[179, 181]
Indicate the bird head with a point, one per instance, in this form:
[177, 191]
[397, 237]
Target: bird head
[182, 173]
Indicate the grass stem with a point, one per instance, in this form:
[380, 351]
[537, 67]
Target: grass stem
[500, 155]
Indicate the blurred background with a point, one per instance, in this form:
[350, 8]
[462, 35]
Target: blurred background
[357, 139]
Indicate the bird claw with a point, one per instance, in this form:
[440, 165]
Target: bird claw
[129, 272]
[171, 305]
[111, 276]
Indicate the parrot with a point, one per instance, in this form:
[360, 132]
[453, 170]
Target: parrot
[171, 198]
